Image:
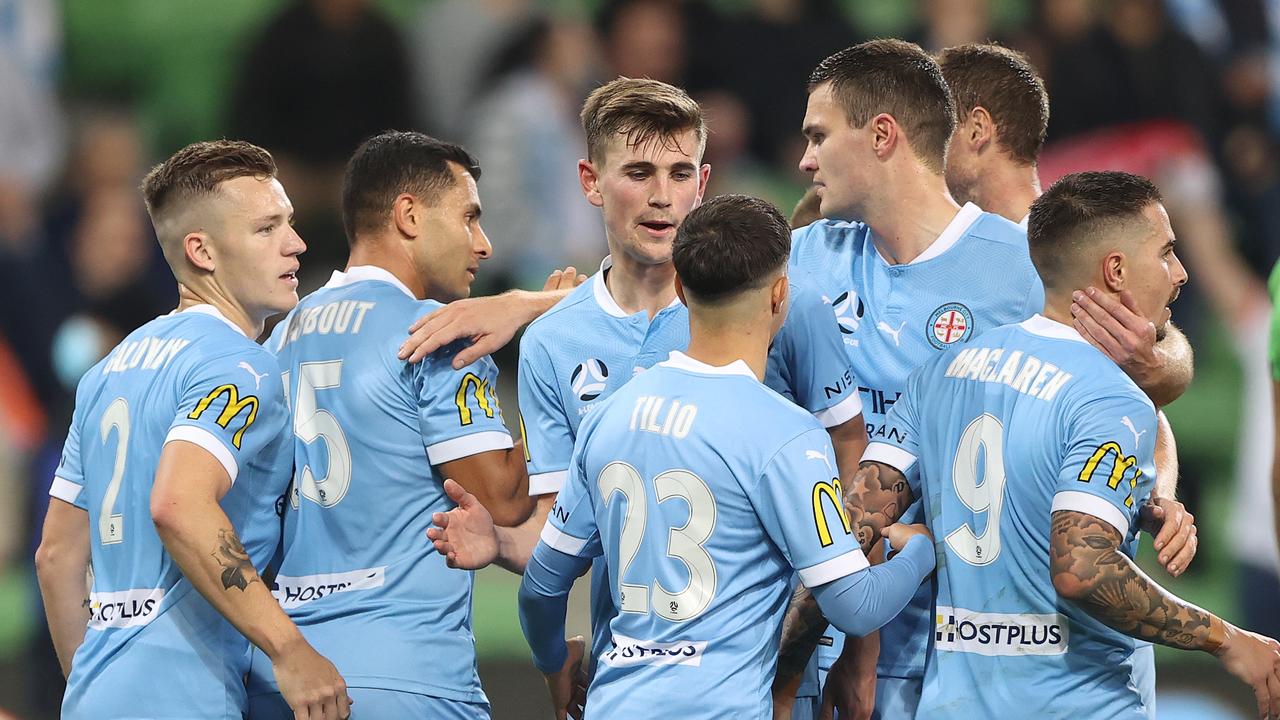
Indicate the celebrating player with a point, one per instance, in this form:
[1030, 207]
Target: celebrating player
[704, 489]
[177, 451]
[375, 436]
[1033, 452]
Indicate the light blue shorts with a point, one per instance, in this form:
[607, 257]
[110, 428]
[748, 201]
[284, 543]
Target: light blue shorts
[375, 704]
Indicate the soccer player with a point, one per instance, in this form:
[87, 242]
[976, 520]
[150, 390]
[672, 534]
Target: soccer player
[375, 436]
[1033, 452]
[910, 272]
[175, 457]
[704, 488]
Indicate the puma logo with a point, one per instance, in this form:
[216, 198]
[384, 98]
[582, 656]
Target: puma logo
[815, 455]
[1137, 436]
[257, 379]
[884, 327]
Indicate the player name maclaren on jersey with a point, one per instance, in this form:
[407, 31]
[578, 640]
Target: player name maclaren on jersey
[1025, 373]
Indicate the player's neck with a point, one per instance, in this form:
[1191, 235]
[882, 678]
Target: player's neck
[636, 286]
[720, 345]
[390, 257]
[1057, 308]
[208, 294]
[912, 219]
[1008, 189]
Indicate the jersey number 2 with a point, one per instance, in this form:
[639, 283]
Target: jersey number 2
[984, 433]
[110, 524]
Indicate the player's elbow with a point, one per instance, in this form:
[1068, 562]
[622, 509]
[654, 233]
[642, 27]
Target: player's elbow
[1069, 585]
[510, 512]
[52, 555]
[166, 513]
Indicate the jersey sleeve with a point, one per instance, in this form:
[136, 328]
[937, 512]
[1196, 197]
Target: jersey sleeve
[231, 405]
[548, 437]
[458, 412]
[808, 362]
[1109, 466]
[799, 503]
[68, 478]
[571, 527]
[900, 447]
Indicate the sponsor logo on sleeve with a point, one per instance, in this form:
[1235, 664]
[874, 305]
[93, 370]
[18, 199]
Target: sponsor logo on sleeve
[961, 630]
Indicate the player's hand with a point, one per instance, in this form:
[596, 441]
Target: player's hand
[1120, 330]
[465, 535]
[1255, 660]
[311, 684]
[566, 279]
[1174, 530]
[488, 322]
[561, 683]
[898, 534]
[850, 692]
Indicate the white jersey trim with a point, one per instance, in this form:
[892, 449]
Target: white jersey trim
[468, 445]
[833, 569]
[959, 225]
[841, 412]
[562, 541]
[210, 442]
[547, 482]
[890, 455]
[681, 361]
[604, 298]
[1091, 505]
[360, 273]
[211, 311]
[1044, 327]
[65, 490]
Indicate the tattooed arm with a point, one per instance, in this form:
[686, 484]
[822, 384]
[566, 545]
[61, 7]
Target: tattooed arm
[1088, 568]
[189, 484]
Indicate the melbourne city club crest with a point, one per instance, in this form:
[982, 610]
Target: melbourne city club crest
[949, 324]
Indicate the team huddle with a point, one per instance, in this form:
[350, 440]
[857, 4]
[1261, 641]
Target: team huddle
[890, 459]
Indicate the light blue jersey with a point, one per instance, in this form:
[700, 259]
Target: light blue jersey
[581, 351]
[976, 276]
[191, 376]
[1025, 420]
[358, 575]
[700, 542]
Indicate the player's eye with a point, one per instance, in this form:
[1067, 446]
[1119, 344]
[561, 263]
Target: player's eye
[682, 175]
[266, 229]
[637, 175]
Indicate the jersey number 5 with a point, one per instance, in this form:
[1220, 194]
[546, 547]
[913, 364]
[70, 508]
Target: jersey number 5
[310, 423]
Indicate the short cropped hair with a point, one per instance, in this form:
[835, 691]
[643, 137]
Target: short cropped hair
[1005, 83]
[641, 110]
[1078, 210]
[196, 170]
[730, 244]
[898, 78]
[386, 165]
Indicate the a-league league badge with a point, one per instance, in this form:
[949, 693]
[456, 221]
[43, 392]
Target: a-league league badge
[949, 324]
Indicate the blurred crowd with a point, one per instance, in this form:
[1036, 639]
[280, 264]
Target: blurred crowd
[92, 93]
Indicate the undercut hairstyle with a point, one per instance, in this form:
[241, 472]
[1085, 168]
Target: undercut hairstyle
[1077, 212]
[196, 170]
[386, 165]
[1005, 83]
[730, 244]
[898, 78]
[642, 111]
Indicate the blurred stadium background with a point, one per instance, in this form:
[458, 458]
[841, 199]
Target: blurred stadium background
[94, 91]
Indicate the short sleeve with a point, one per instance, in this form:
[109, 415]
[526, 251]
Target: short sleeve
[548, 437]
[799, 502]
[808, 362]
[68, 479]
[571, 527]
[232, 406]
[900, 446]
[1109, 466]
[458, 412]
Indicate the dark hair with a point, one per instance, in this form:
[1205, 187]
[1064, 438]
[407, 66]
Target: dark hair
[1077, 210]
[729, 244]
[898, 78]
[1004, 82]
[386, 165]
[197, 169]
[641, 110]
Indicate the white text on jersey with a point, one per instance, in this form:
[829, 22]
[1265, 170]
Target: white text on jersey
[647, 416]
[149, 353]
[338, 318]
[1025, 373]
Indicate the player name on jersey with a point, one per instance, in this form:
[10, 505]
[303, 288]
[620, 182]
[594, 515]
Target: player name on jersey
[647, 416]
[338, 318]
[149, 353]
[1025, 373]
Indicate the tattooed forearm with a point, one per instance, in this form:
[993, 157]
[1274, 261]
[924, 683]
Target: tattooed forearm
[1087, 566]
[237, 568]
[802, 627]
[876, 497]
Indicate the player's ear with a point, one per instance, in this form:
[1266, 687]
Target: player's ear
[680, 291]
[198, 248]
[981, 128]
[779, 294]
[704, 175]
[1114, 272]
[406, 215]
[884, 134]
[590, 181]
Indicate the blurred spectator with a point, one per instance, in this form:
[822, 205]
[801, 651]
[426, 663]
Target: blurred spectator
[645, 39]
[319, 78]
[528, 137]
[947, 23]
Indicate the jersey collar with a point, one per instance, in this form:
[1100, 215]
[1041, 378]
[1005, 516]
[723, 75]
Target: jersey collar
[604, 299]
[680, 361]
[1044, 327]
[211, 311]
[958, 226]
[360, 273]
